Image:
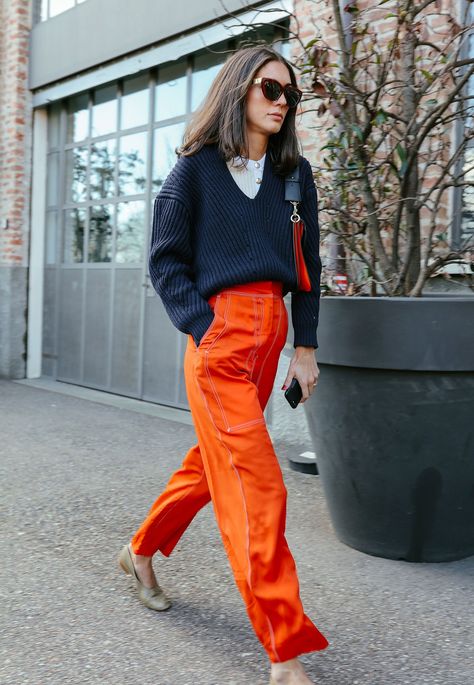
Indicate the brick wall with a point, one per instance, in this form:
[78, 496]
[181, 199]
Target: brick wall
[15, 131]
[311, 19]
[15, 183]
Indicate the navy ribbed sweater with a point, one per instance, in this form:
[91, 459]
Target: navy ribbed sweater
[208, 235]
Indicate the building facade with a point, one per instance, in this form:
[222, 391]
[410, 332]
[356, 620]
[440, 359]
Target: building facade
[94, 98]
[96, 95]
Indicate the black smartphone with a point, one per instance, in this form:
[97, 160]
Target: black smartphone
[293, 393]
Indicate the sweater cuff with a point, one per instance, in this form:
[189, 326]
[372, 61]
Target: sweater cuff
[200, 326]
[306, 339]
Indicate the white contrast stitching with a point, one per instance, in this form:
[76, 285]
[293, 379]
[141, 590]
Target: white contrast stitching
[213, 322]
[259, 344]
[239, 426]
[272, 637]
[234, 468]
[249, 356]
[206, 364]
[269, 350]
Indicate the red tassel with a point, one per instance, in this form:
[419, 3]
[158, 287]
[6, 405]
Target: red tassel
[304, 283]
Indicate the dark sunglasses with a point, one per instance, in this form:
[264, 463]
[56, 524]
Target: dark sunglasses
[272, 90]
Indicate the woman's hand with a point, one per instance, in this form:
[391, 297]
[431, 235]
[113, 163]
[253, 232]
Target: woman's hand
[304, 368]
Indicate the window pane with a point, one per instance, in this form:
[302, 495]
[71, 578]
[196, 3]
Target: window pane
[52, 180]
[130, 232]
[58, 6]
[78, 118]
[284, 47]
[51, 237]
[102, 182]
[54, 113]
[206, 68]
[76, 174]
[100, 233]
[467, 215]
[104, 111]
[467, 193]
[74, 229]
[170, 97]
[134, 102]
[44, 10]
[132, 164]
[167, 139]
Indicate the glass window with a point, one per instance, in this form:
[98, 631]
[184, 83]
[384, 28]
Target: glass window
[467, 213]
[74, 230]
[132, 164]
[76, 174]
[44, 10]
[100, 233]
[52, 179]
[170, 94]
[467, 222]
[130, 232]
[102, 230]
[58, 6]
[206, 68]
[167, 139]
[78, 118]
[102, 177]
[104, 111]
[134, 102]
[284, 46]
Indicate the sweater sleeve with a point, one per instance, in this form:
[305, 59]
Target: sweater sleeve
[170, 267]
[305, 305]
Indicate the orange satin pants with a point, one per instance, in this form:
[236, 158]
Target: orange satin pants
[229, 378]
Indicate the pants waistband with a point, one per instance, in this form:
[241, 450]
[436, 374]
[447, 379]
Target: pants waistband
[257, 287]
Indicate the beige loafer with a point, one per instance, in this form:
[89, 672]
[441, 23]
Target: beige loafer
[151, 597]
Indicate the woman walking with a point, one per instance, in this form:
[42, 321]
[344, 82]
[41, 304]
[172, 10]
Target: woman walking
[221, 260]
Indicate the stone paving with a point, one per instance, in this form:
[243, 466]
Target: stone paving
[78, 475]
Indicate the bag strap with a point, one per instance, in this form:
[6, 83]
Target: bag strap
[293, 191]
[292, 186]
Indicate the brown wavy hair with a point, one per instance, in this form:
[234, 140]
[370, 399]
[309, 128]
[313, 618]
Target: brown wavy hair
[221, 118]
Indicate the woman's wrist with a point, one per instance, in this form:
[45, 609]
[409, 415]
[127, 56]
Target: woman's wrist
[302, 350]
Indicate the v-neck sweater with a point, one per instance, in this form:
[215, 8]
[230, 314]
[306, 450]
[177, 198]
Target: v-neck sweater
[208, 235]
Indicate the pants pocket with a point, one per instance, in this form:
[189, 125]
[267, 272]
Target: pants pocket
[215, 325]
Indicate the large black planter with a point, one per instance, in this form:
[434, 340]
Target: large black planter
[392, 422]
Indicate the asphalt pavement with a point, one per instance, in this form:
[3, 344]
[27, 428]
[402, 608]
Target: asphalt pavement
[78, 473]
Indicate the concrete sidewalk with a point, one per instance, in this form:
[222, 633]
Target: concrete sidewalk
[78, 476]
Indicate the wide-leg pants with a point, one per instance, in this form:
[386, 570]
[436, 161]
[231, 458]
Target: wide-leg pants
[229, 378]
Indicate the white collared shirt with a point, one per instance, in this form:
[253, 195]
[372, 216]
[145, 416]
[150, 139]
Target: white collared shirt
[248, 177]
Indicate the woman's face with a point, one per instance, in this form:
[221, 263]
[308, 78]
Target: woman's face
[265, 116]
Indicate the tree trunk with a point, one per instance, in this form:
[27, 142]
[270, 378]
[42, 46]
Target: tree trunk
[411, 263]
